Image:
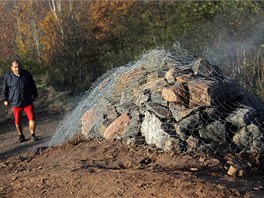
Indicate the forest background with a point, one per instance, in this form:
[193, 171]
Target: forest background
[70, 43]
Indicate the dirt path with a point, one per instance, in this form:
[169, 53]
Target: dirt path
[99, 168]
[9, 145]
[114, 169]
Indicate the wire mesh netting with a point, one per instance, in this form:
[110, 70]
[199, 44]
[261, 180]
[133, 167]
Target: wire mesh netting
[177, 103]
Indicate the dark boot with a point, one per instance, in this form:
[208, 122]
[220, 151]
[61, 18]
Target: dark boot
[21, 138]
[34, 138]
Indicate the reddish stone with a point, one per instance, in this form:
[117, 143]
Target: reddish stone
[200, 93]
[88, 120]
[183, 78]
[176, 93]
[128, 79]
[117, 127]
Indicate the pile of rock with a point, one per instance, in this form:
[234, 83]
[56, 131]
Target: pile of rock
[177, 103]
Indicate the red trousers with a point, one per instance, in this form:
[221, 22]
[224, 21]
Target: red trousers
[29, 110]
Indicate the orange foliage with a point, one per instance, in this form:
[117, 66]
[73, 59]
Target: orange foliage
[7, 33]
[50, 39]
[27, 15]
[103, 13]
[59, 25]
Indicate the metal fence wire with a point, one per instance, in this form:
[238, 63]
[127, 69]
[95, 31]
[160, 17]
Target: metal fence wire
[177, 103]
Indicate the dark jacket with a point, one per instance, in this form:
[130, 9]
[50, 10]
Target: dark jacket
[20, 91]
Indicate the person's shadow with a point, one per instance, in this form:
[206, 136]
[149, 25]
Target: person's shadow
[27, 145]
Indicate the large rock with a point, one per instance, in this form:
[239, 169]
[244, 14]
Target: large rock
[214, 131]
[117, 127]
[133, 129]
[200, 92]
[170, 75]
[250, 137]
[179, 111]
[189, 126]
[88, 121]
[183, 78]
[176, 93]
[242, 116]
[202, 67]
[157, 98]
[151, 130]
[160, 110]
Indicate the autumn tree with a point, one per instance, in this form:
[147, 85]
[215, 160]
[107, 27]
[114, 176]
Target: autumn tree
[27, 16]
[77, 41]
[7, 29]
[66, 34]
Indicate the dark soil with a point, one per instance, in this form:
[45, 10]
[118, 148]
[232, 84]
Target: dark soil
[100, 168]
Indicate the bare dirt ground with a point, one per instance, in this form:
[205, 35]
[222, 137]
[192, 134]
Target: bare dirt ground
[100, 168]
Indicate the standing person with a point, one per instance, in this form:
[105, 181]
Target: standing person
[20, 90]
